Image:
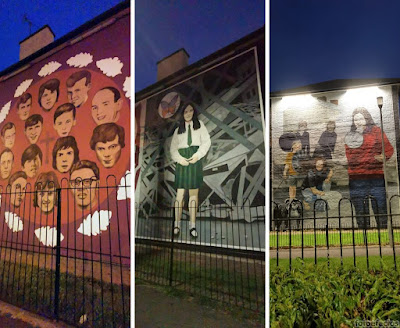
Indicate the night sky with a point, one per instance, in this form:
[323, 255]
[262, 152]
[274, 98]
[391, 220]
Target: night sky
[200, 26]
[314, 41]
[62, 17]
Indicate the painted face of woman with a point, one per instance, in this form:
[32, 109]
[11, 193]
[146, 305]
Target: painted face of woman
[188, 113]
[360, 122]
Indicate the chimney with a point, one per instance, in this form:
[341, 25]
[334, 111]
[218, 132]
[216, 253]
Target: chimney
[172, 63]
[35, 42]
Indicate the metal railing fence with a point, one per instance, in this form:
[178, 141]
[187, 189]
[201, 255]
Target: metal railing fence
[225, 262]
[71, 263]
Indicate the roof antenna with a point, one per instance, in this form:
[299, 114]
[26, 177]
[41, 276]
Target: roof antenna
[26, 20]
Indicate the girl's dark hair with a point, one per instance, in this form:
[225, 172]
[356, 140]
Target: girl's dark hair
[196, 122]
[368, 118]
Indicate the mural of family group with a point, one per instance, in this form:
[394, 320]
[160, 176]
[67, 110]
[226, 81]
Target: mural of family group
[69, 129]
[308, 174]
[203, 144]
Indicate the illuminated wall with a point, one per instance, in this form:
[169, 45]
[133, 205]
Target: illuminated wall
[348, 149]
[61, 112]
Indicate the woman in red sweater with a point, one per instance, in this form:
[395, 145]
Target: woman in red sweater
[365, 166]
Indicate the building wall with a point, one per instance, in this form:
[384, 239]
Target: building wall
[105, 56]
[228, 103]
[316, 111]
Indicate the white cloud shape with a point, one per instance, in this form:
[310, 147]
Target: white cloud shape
[48, 236]
[49, 68]
[80, 60]
[23, 87]
[94, 223]
[13, 221]
[4, 111]
[110, 66]
[124, 188]
[127, 87]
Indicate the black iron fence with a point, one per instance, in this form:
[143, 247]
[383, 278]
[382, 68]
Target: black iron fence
[224, 260]
[317, 235]
[66, 258]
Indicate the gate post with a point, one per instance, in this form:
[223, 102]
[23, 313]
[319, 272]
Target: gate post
[58, 255]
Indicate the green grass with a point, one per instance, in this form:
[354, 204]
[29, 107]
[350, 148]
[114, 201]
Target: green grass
[237, 283]
[333, 238]
[32, 288]
[334, 296]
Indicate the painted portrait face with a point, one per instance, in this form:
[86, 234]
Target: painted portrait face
[319, 165]
[32, 167]
[331, 127]
[360, 122]
[296, 146]
[9, 138]
[6, 163]
[78, 93]
[18, 192]
[46, 199]
[108, 152]
[104, 108]
[24, 109]
[84, 182]
[33, 132]
[64, 123]
[188, 113]
[48, 99]
[64, 159]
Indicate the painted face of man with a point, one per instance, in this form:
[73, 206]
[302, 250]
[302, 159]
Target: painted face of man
[108, 152]
[104, 108]
[9, 138]
[18, 188]
[188, 113]
[24, 109]
[33, 132]
[360, 122]
[78, 93]
[46, 199]
[48, 99]
[6, 163]
[83, 183]
[64, 123]
[319, 165]
[31, 167]
[64, 159]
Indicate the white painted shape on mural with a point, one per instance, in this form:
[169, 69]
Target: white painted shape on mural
[22, 87]
[124, 188]
[127, 87]
[13, 221]
[4, 111]
[80, 60]
[110, 66]
[49, 68]
[48, 236]
[95, 223]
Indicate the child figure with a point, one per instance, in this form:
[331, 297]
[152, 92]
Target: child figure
[292, 168]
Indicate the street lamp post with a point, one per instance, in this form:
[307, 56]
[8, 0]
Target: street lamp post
[389, 223]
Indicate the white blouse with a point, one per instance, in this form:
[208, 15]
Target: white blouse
[200, 137]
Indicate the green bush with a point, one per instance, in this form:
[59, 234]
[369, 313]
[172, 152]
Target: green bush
[321, 296]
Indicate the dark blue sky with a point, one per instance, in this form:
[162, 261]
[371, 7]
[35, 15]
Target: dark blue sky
[200, 26]
[62, 16]
[314, 41]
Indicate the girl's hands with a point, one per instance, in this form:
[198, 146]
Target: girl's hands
[193, 159]
[184, 162]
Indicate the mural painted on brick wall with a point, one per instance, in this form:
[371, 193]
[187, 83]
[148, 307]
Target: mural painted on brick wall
[66, 122]
[334, 147]
[204, 145]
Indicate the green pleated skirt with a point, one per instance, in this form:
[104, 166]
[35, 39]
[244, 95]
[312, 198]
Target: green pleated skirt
[191, 176]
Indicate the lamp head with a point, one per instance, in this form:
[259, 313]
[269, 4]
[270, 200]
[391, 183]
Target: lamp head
[380, 102]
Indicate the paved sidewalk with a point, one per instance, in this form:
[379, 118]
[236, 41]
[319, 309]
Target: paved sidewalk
[14, 317]
[156, 309]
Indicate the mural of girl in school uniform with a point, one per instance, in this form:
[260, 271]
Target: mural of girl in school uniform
[190, 143]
